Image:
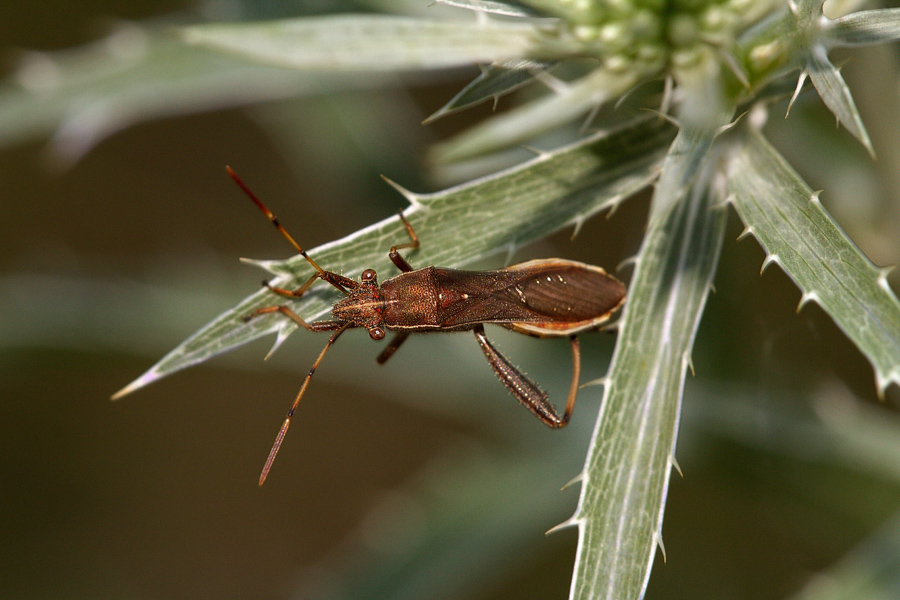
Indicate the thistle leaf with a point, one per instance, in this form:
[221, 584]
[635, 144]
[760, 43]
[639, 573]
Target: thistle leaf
[85, 94]
[836, 95]
[681, 169]
[495, 81]
[537, 117]
[492, 215]
[795, 231]
[865, 27]
[629, 462]
[370, 43]
[491, 6]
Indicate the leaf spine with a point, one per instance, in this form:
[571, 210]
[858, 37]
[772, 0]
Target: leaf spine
[599, 381]
[882, 278]
[555, 84]
[768, 260]
[411, 197]
[674, 462]
[579, 221]
[800, 81]
[283, 332]
[807, 297]
[570, 522]
[577, 479]
[628, 262]
[613, 204]
[266, 265]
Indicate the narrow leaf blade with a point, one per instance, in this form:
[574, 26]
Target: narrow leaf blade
[495, 81]
[629, 461]
[369, 43]
[537, 117]
[836, 95]
[491, 6]
[796, 232]
[82, 95]
[865, 27]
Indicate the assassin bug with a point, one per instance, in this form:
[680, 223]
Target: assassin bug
[546, 298]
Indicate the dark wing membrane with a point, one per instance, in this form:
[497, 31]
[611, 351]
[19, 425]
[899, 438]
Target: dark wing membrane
[533, 292]
[564, 291]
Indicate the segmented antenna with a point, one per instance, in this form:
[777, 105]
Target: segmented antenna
[287, 420]
[265, 210]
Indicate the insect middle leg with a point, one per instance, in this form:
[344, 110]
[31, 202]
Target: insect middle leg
[394, 255]
[392, 346]
[525, 390]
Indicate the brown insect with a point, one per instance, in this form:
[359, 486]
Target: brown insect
[547, 298]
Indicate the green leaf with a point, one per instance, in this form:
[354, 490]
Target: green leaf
[566, 103]
[865, 27]
[680, 170]
[629, 462]
[836, 95]
[492, 215]
[370, 43]
[84, 94]
[793, 228]
[491, 6]
[493, 82]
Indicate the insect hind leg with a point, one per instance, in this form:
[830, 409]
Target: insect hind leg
[526, 391]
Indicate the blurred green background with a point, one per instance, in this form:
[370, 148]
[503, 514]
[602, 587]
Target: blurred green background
[420, 479]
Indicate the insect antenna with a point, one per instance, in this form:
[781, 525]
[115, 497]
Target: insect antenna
[287, 420]
[265, 210]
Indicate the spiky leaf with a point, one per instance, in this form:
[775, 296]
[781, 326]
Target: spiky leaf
[628, 466]
[780, 210]
[491, 6]
[494, 81]
[566, 103]
[368, 43]
[865, 27]
[836, 95]
[84, 94]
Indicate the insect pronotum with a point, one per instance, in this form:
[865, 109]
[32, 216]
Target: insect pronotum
[547, 297]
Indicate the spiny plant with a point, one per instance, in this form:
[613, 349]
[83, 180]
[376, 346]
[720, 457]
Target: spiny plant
[707, 72]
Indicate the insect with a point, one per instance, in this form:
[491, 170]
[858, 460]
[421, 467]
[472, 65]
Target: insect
[546, 298]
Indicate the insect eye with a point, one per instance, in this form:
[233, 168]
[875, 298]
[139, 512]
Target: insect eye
[368, 275]
[376, 333]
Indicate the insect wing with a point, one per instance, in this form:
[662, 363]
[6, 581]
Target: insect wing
[541, 297]
[563, 296]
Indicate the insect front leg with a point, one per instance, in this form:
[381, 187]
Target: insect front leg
[394, 255]
[282, 308]
[525, 390]
[338, 281]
